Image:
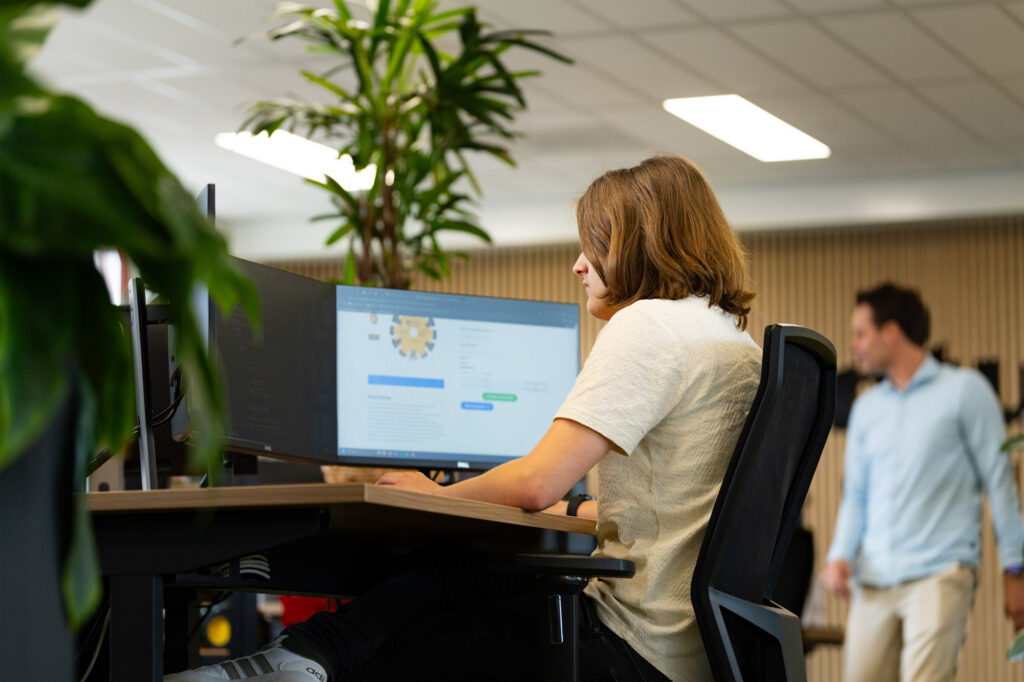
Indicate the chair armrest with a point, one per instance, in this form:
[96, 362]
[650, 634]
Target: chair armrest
[563, 564]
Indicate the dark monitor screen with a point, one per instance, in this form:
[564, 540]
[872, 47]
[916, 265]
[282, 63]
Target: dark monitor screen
[448, 381]
[280, 386]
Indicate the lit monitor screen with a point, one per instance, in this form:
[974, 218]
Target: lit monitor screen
[448, 381]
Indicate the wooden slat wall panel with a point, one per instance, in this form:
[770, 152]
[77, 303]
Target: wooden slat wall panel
[970, 273]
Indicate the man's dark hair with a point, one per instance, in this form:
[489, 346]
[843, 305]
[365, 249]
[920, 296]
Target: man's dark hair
[903, 306]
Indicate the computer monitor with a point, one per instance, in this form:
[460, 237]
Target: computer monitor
[199, 301]
[155, 397]
[280, 388]
[448, 381]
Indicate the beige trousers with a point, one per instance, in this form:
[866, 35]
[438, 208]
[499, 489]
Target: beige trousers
[911, 632]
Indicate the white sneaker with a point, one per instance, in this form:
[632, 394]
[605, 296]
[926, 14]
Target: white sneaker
[272, 663]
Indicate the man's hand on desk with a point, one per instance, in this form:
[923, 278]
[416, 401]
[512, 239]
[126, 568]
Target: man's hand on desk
[410, 480]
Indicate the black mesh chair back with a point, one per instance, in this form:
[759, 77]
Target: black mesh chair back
[747, 636]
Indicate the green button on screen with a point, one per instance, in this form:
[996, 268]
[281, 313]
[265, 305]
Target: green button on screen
[501, 397]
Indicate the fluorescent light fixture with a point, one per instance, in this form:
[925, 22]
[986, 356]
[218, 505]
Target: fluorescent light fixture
[747, 127]
[299, 156]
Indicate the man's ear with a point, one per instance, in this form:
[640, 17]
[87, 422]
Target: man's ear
[891, 332]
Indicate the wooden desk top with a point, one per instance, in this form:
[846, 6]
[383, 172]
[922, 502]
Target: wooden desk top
[348, 496]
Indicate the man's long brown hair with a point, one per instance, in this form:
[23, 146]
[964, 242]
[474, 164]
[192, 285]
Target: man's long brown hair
[656, 231]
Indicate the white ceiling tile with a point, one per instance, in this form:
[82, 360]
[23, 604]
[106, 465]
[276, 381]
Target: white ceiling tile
[736, 10]
[532, 122]
[567, 136]
[99, 44]
[639, 13]
[281, 81]
[140, 42]
[630, 61]
[218, 90]
[64, 63]
[539, 103]
[137, 105]
[499, 180]
[557, 16]
[807, 50]
[574, 84]
[236, 17]
[1016, 87]
[984, 34]
[662, 132]
[937, 141]
[821, 7]
[982, 108]
[1016, 9]
[897, 45]
[909, 118]
[178, 14]
[579, 169]
[768, 174]
[730, 64]
[914, 3]
[200, 41]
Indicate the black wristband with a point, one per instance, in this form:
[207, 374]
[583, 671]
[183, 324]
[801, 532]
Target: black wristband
[574, 504]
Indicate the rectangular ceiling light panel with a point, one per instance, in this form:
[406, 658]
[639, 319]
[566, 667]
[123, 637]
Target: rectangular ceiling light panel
[747, 127]
[300, 156]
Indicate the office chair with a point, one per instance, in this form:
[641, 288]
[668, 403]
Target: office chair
[746, 635]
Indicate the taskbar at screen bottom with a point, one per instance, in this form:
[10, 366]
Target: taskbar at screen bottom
[407, 459]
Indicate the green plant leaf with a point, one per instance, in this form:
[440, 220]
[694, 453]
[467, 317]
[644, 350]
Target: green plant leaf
[340, 232]
[81, 576]
[332, 186]
[73, 182]
[342, 10]
[24, 27]
[328, 85]
[462, 226]
[450, 14]
[33, 345]
[416, 111]
[349, 276]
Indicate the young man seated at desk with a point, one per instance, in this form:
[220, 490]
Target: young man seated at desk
[657, 408]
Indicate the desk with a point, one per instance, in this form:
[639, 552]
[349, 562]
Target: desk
[152, 539]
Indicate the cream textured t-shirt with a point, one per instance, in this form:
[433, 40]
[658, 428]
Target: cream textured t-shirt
[670, 384]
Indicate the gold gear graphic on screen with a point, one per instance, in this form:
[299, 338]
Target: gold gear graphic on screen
[413, 336]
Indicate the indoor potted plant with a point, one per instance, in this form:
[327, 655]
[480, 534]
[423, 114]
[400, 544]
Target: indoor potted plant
[414, 113]
[72, 182]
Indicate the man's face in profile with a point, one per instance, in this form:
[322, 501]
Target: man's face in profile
[870, 350]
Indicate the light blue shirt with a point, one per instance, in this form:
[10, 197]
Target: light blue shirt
[917, 461]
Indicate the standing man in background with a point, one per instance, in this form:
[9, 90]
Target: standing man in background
[921, 447]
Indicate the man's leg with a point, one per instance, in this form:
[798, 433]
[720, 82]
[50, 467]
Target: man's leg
[935, 613]
[872, 643]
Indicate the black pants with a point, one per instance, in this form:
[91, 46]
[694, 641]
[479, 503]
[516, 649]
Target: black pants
[442, 615]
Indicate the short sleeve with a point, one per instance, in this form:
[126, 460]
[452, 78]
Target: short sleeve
[630, 380]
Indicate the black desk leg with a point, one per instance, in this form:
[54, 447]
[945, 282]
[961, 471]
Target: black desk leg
[561, 655]
[181, 621]
[136, 628]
